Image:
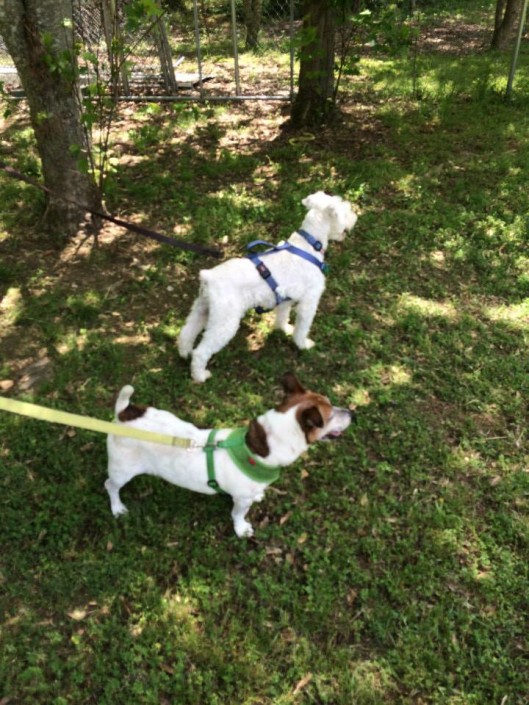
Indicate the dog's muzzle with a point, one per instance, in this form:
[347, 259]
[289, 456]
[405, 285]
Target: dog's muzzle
[344, 417]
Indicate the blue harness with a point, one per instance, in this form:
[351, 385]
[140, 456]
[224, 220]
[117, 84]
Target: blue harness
[266, 274]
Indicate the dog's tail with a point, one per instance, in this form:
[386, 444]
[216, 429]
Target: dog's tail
[123, 398]
[204, 276]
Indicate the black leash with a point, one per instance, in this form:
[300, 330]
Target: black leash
[189, 246]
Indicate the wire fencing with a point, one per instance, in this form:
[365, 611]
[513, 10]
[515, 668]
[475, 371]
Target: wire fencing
[193, 50]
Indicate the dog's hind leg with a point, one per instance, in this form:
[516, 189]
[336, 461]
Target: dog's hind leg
[194, 325]
[220, 330]
[116, 505]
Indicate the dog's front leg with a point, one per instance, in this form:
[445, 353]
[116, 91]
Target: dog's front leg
[305, 312]
[242, 527]
[283, 317]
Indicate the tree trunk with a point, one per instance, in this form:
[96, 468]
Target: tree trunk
[508, 13]
[314, 103]
[39, 36]
[252, 19]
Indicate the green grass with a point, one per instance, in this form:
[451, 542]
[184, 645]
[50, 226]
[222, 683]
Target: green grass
[391, 567]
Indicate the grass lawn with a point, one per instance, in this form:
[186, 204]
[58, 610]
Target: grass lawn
[391, 567]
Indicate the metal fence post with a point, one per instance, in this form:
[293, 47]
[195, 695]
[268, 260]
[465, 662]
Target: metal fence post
[198, 49]
[235, 48]
[516, 50]
[292, 55]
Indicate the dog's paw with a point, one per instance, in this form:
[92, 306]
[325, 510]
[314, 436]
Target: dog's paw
[244, 530]
[202, 376]
[306, 344]
[120, 510]
[287, 328]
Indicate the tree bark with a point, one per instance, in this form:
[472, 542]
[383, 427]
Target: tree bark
[39, 37]
[314, 104]
[252, 19]
[508, 13]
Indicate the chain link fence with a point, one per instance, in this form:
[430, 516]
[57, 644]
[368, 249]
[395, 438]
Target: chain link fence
[197, 49]
[8, 74]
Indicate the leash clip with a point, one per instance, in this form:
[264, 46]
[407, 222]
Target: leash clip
[193, 446]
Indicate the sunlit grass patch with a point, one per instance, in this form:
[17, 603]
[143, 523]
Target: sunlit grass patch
[515, 316]
[427, 307]
[10, 306]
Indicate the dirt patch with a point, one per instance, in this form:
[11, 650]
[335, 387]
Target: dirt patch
[118, 262]
[454, 37]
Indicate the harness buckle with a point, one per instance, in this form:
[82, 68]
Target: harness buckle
[263, 270]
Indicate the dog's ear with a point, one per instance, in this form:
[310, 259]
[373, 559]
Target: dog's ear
[256, 439]
[309, 419]
[342, 212]
[291, 384]
[316, 200]
[335, 209]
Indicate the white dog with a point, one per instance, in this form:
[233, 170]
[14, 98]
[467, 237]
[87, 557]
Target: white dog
[240, 463]
[290, 274]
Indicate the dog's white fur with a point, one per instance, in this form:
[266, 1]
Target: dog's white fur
[283, 434]
[233, 287]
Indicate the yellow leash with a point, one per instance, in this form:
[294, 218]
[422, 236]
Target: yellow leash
[43, 413]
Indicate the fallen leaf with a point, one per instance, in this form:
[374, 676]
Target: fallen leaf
[273, 551]
[351, 596]
[77, 614]
[303, 683]
[285, 518]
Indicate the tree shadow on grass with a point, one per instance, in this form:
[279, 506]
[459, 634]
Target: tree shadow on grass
[404, 547]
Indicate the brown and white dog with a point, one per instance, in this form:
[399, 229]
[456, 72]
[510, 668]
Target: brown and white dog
[273, 440]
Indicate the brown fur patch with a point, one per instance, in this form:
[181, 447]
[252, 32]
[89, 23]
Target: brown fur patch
[313, 410]
[309, 419]
[312, 417]
[256, 439]
[291, 384]
[132, 412]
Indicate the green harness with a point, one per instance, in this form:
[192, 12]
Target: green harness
[248, 463]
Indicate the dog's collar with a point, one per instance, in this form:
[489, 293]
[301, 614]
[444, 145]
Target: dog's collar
[316, 244]
[247, 462]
